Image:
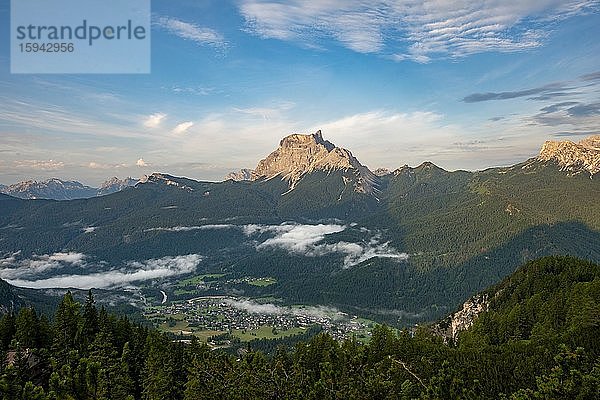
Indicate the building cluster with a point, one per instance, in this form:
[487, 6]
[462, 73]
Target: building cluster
[224, 314]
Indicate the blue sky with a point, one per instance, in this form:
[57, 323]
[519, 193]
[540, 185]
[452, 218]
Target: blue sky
[465, 84]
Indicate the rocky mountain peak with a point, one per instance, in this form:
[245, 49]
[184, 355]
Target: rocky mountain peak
[115, 184]
[52, 188]
[300, 154]
[243, 174]
[382, 172]
[297, 141]
[164, 179]
[574, 157]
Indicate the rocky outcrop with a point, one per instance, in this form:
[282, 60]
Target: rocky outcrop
[299, 154]
[168, 180]
[115, 184]
[450, 327]
[573, 157]
[382, 172]
[243, 174]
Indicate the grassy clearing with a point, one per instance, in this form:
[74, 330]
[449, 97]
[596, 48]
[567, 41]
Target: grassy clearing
[197, 279]
[265, 332]
[262, 282]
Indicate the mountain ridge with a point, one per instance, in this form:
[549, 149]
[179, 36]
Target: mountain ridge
[59, 189]
[574, 157]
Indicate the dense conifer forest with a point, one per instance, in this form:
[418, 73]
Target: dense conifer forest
[538, 340]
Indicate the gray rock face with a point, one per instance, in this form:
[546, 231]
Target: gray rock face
[573, 157]
[450, 327]
[243, 174]
[382, 172]
[300, 154]
[115, 184]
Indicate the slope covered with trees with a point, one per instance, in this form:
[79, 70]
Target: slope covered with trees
[539, 340]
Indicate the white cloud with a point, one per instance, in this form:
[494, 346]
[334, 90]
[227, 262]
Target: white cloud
[383, 138]
[267, 113]
[357, 253]
[253, 307]
[39, 165]
[190, 31]
[135, 271]
[70, 257]
[192, 228]
[154, 120]
[182, 127]
[407, 29]
[298, 238]
[97, 165]
[305, 240]
[141, 163]
[13, 267]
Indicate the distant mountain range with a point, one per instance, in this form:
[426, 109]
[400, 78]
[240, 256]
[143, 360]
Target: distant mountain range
[574, 157]
[407, 244]
[57, 189]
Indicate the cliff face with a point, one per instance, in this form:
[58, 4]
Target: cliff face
[299, 154]
[450, 327]
[574, 157]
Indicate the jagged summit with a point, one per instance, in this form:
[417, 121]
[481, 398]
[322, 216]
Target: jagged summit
[243, 174]
[115, 184]
[58, 189]
[300, 154]
[165, 179]
[382, 172]
[52, 188]
[574, 157]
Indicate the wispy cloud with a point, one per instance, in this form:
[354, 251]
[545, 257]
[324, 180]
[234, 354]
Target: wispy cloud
[192, 228]
[39, 165]
[253, 307]
[591, 77]
[547, 92]
[267, 113]
[410, 30]
[14, 267]
[133, 271]
[154, 120]
[191, 31]
[102, 166]
[579, 115]
[141, 163]
[308, 240]
[295, 238]
[182, 128]
[38, 116]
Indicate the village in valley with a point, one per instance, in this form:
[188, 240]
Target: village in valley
[218, 320]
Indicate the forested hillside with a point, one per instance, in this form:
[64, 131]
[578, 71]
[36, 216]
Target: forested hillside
[539, 340]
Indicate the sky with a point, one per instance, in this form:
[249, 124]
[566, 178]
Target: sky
[466, 84]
